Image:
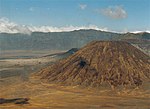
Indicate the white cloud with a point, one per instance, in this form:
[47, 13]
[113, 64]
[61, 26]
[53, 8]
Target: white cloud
[82, 6]
[66, 28]
[139, 31]
[115, 12]
[31, 9]
[10, 27]
[7, 26]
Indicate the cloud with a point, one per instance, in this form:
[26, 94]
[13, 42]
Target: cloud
[7, 26]
[10, 27]
[62, 29]
[31, 9]
[82, 6]
[115, 12]
[139, 31]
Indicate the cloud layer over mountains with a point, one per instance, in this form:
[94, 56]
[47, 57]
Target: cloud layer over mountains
[6, 26]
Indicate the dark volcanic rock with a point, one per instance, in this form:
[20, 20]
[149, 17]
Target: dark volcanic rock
[115, 63]
[15, 100]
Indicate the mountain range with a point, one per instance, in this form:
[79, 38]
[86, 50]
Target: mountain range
[68, 40]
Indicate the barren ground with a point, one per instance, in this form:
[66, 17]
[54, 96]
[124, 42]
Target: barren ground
[52, 96]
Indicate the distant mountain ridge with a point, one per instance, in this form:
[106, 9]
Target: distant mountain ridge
[142, 35]
[62, 40]
[63, 55]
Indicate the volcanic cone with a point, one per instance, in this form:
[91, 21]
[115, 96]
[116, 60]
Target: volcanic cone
[114, 63]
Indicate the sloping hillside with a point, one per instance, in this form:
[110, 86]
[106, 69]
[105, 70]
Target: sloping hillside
[108, 63]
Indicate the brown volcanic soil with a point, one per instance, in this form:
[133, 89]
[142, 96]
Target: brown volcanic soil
[53, 96]
[101, 63]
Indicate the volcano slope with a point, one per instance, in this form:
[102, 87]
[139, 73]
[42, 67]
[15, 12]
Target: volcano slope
[115, 64]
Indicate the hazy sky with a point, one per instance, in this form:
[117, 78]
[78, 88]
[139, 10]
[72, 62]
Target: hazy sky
[114, 15]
